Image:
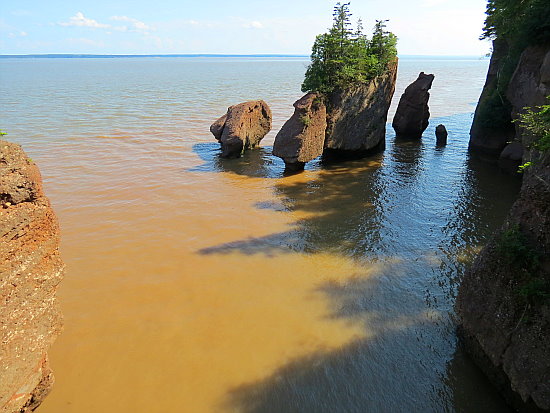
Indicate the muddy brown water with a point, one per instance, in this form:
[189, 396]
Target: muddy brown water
[198, 284]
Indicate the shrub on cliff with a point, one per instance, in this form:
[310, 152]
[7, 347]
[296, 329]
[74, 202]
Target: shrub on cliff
[344, 56]
[515, 25]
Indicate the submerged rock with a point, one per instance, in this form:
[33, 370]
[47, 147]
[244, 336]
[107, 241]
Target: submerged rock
[412, 116]
[242, 127]
[30, 271]
[302, 137]
[441, 135]
[357, 116]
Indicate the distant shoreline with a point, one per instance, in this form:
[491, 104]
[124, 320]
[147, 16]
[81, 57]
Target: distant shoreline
[119, 56]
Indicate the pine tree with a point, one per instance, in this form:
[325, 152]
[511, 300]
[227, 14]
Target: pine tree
[344, 56]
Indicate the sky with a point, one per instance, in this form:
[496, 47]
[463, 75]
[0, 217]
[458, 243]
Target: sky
[424, 27]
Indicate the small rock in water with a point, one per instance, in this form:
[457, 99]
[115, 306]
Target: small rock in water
[441, 135]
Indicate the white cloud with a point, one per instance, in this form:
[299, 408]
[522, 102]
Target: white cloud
[79, 20]
[13, 35]
[253, 25]
[135, 24]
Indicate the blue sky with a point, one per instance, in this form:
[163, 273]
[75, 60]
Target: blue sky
[424, 27]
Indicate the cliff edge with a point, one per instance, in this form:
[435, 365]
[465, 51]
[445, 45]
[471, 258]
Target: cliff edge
[30, 271]
[504, 299]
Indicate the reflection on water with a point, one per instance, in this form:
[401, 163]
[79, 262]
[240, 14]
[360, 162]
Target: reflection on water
[201, 284]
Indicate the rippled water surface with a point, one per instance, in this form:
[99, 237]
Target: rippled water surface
[198, 284]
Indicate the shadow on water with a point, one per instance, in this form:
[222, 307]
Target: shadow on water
[417, 215]
[389, 370]
[255, 163]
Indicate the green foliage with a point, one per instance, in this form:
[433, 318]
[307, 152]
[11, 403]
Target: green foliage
[514, 25]
[537, 121]
[306, 121]
[535, 290]
[524, 262]
[522, 22]
[513, 248]
[344, 56]
[523, 167]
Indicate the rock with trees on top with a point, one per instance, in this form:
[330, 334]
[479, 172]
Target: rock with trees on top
[354, 77]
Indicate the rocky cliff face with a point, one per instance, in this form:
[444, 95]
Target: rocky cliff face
[30, 271]
[529, 84]
[504, 300]
[357, 116]
[492, 125]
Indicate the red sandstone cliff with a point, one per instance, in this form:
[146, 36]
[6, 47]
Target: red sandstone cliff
[30, 271]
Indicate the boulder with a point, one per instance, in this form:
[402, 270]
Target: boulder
[441, 135]
[217, 127]
[30, 271]
[510, 157]
[412, 115]
[357, 116]
[302, 137]
[242, 127]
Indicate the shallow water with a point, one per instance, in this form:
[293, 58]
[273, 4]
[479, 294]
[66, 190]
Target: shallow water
[199, 284]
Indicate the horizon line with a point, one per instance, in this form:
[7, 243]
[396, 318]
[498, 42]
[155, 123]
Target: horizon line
[92, 55]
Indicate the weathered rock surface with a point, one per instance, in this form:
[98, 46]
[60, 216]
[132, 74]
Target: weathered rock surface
[492, 127]
[529, 86]
[356, 118]
[412, 116]
[242, 127]
[302, 137]
[505, 324]
[30, 271]
[506, 334]
[441, 135]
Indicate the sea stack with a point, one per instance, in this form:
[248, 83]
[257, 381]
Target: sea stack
[351, 125]
[357, 116]
[441, 135]
[412, 116]
[30, 271]
[302, 137]
[242, 127]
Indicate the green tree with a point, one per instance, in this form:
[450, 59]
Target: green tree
[344, 56]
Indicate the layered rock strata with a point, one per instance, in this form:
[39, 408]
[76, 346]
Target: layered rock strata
[30, 271]
[412, 116]
[302, 137]
[242, 127]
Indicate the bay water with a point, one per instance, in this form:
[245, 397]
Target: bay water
[199, 284]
